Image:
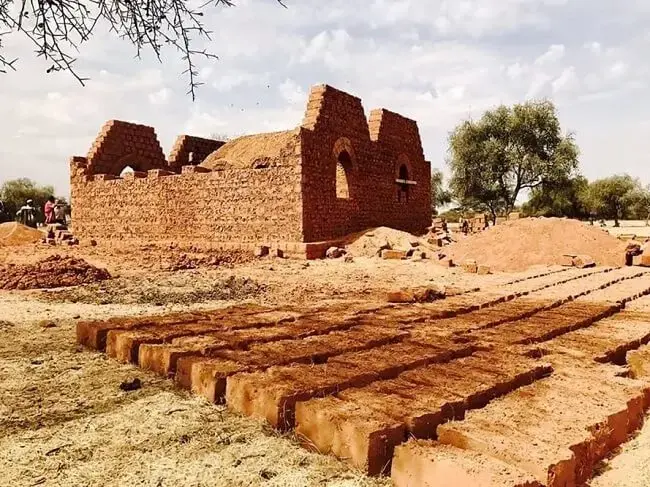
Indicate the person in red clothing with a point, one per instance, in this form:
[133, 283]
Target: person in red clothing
[49, 211]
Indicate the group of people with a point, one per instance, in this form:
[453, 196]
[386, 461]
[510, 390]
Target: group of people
[54, 212]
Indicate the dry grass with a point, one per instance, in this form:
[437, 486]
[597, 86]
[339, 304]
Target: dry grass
[71, 425]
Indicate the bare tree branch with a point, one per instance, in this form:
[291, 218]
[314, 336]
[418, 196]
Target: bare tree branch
[59, 27]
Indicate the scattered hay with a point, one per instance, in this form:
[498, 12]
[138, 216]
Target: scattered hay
[52, 272]
[519, 244]
[15, 234]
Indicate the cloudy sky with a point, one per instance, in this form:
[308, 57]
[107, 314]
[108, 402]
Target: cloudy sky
[437, 61]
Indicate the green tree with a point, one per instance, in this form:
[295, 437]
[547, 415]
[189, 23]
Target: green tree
[641, 204]
[15, 193]
[558, 198]
[613, 198]
[440, 196]
[510, 149]
[57, 29]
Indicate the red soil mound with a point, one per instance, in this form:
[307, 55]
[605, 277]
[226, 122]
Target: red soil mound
[53, 272]
[518, 244]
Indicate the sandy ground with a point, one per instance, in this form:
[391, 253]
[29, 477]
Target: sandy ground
[65, 422]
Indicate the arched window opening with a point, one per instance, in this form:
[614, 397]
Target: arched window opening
[403, 187]
[343, 168]
[126, 170]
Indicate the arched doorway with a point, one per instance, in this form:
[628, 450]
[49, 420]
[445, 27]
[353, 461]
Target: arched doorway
[127, 170]
[343, 170]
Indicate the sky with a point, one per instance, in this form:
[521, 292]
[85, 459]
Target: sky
[436, 61]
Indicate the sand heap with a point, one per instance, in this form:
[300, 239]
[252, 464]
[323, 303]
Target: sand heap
[53, 272]
[14, 234]
[518, 244]
[372, 242]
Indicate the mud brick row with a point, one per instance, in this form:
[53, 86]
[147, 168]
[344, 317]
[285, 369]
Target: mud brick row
[124, 344]
[556, 429]
[92, 334]
[528, 321]
[548, 324]
[209, 376]
[636, 285]
[426, 463]
[272, 394]
[162, 358]
[608, 340]
[363, 425]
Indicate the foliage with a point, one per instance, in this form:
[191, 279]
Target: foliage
[562, 198]
[641, 204]
[440, 196]
[59, 28]
[15, 193]
[508, 150]
[613, 198]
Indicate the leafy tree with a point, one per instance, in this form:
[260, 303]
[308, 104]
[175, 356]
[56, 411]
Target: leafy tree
[641, 204]
[59, 28]
[15, 193]
[613, 198]
[508, 150]
[559, 199]
[440, 196]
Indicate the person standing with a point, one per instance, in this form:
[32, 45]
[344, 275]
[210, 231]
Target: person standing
[59, 212]
[49, 210]
[27, 214]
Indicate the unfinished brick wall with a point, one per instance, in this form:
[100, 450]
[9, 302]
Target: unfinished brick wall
[195, 207]
[197, 147]
[336, 174]
[339, 144]
[124, 144]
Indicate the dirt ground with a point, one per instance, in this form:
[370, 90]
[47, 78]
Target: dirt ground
[64, 421]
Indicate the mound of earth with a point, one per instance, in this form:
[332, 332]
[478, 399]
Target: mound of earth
[519, 244]
[371, 242]
[53, 272]
[14, 234]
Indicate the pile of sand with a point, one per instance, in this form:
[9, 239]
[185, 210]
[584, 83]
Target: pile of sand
[53, 272]
[519, 244]
[371, 242]
[14, 234]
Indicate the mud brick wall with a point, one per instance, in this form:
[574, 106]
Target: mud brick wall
[334, 122]
[124, 144]
[199, 147]
[294, 200]
[240, 205]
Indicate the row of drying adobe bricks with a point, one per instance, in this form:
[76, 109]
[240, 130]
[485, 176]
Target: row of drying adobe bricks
[390, 365]
[553, 432]
[137, 341]
[363, 423]
[235, 321]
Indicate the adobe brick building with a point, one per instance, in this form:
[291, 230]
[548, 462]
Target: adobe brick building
[295, 191]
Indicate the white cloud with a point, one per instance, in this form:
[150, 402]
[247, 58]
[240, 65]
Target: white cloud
[568, 81]
[554, 54]
[159, 97]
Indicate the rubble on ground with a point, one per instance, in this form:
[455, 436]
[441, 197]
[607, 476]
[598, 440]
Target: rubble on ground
[53, 272]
